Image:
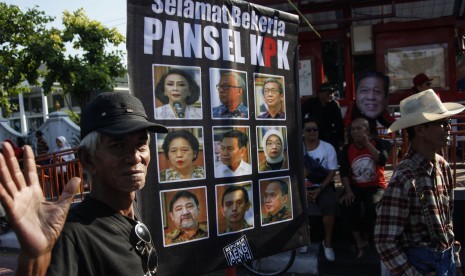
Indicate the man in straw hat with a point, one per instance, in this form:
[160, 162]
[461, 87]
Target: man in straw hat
[414, 232]
[102, 234]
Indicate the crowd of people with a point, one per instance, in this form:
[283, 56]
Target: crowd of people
[406, 219]
[409, 219]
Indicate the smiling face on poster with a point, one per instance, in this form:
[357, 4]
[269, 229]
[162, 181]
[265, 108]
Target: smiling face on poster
[249, 69]
[371, 94]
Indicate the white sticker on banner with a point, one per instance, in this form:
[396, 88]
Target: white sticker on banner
[238, 252]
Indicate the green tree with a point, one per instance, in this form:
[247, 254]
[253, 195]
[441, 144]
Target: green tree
[91, 68]
[31, 50]
[24, 39]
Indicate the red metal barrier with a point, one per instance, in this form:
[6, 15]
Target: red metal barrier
[54, 173]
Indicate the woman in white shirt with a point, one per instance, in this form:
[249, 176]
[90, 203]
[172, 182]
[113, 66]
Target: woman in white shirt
[178, 91]
[62, 144]
[322, 194]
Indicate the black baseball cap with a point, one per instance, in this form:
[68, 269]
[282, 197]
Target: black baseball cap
[326, 87]
[116, 113]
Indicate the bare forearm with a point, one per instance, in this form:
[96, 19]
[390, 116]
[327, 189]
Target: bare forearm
[33, 266]
[346, 183]
[373, 151]
[328, 179]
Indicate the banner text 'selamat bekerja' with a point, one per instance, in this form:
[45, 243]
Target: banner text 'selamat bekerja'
[225, 185]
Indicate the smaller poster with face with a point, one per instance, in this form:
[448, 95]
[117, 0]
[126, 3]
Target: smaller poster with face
[276, 200]
[185, 215]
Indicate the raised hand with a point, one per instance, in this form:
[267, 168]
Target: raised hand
[36, 222]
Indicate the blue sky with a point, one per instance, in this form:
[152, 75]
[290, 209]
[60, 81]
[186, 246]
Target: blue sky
[111, 13]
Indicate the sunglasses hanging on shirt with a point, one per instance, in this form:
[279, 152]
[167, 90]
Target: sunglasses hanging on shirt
[142, 241]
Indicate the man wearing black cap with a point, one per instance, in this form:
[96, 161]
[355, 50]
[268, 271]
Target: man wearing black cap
[327, 111]
[101, 235]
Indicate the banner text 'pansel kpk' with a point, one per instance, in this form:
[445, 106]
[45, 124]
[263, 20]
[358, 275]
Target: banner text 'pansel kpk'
[218, 43]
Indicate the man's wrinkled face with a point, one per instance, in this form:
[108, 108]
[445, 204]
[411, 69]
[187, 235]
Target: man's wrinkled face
[120, 162]
[273, 97]
[274, 198]
[437, 133]
[185, 213]
[229, 90]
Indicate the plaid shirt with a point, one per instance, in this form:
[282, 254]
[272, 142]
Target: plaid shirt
[400, 221]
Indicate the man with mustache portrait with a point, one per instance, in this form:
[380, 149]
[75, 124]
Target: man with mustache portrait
[184, 213]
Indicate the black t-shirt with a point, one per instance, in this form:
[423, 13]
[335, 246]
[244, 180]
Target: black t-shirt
[95, 241]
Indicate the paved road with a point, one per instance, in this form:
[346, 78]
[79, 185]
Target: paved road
[307, 264]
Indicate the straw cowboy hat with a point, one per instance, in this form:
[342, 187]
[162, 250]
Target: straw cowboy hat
[422, 108]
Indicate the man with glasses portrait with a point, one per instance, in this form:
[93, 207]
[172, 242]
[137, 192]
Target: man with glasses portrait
[273, 95]
[232, 90]
[102, 234]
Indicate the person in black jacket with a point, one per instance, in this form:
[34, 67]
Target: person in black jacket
[102, 235]
[328, 113]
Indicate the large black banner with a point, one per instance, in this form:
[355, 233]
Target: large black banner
[225, 185]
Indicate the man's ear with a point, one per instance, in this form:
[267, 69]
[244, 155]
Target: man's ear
[243, 152]
[86, 159]
[285, 198]
[420, 130]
